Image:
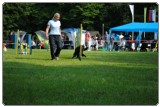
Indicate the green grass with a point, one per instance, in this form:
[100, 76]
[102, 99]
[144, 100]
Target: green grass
[113, 78]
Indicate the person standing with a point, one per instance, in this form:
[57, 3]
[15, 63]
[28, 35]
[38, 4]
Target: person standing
[87, 38]
[111, 42]
[121, 35]
[106, 38]
[54, 36]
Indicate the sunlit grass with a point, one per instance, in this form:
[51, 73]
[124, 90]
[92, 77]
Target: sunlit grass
[102, 78]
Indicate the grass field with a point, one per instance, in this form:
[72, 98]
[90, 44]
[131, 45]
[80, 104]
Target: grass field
[113, 78]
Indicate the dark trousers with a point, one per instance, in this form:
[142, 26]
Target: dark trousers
[55, 45]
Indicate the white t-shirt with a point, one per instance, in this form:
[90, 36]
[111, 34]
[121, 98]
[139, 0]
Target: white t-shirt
[54, 27]
[121, 36]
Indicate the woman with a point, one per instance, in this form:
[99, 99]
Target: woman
[54, 36]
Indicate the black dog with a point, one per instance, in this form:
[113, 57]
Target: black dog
[77, 52]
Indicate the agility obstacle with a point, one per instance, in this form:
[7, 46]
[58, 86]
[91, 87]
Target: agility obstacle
[81, 28]
[23, 48]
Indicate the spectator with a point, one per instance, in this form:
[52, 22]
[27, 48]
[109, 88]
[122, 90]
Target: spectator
[111, 42]
[122, 45]
[87, 38]
[33, 44]
[107, 41]
[41, 44]
[94, 43]
[121, 35]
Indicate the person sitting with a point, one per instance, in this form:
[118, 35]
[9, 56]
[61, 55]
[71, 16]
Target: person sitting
[94, 43]
[41, 44]
[101, 43]
[33, 44]
[121, 44]
[4, 47]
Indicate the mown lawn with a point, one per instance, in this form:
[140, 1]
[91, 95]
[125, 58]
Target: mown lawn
[113, 78]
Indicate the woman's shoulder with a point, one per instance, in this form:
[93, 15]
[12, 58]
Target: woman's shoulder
[52, 21]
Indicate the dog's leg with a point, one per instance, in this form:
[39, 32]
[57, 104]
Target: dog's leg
[74, 55]
[83, 55]
[79, 58]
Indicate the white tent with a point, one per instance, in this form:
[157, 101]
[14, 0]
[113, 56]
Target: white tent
[73, 33]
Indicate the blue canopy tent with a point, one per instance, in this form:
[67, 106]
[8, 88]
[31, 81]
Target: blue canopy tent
[136, 27]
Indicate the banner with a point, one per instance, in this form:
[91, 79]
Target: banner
[145, 13]
[152, 15]
[132, 11]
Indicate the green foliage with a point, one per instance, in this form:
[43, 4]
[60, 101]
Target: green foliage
[34, 16]
[113, 78]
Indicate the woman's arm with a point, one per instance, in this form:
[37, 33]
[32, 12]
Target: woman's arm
[47, 30]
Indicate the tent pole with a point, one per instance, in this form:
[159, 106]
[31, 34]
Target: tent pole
[132, 35]
[18, 35]
[81, 28]
[74, 40]
[145, 13]
[102, 29]
[154, 22]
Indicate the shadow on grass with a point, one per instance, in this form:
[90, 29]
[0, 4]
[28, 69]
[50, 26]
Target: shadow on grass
[124, 57]
[40, 58]
[29, 84]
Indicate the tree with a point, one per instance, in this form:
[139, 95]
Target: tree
[31, 17]
[89, 14]
[16, 15]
